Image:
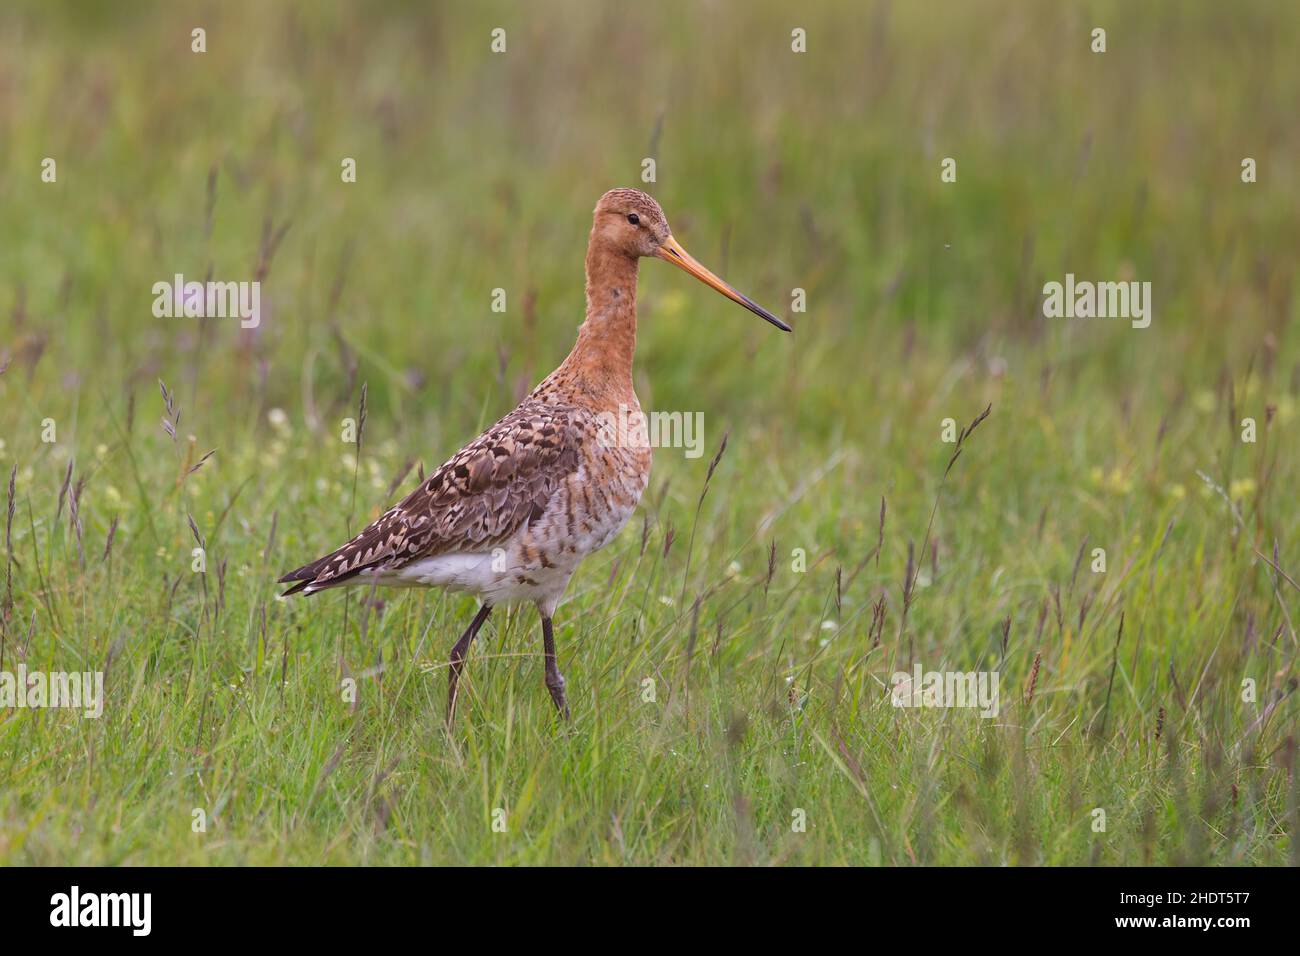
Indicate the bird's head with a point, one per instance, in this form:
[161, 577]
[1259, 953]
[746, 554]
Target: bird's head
[632, 223]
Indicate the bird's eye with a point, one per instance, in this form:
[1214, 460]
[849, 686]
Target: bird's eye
[633, 218]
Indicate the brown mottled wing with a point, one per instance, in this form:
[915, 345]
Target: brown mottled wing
[476, 501]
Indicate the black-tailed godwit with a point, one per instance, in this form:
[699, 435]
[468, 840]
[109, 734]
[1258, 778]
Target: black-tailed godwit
[509, 517]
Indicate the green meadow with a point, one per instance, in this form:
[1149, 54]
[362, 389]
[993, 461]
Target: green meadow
[1118, 541]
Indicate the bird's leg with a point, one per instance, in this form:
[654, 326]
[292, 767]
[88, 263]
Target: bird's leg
[554, 679]
[458, 657]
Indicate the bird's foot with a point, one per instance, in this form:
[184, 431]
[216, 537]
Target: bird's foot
[555, 684]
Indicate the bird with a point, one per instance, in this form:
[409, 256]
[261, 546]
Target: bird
[510, 516]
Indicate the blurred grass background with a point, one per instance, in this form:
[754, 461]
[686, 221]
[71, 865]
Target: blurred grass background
[819, 171]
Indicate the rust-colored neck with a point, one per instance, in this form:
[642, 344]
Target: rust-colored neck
[598, 371]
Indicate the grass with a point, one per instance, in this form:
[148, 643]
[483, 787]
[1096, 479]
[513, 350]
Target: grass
[768, 614]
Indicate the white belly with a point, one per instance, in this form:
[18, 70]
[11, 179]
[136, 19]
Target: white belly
[492, 576]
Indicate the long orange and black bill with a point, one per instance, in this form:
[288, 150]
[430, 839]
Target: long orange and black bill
[672, 251]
